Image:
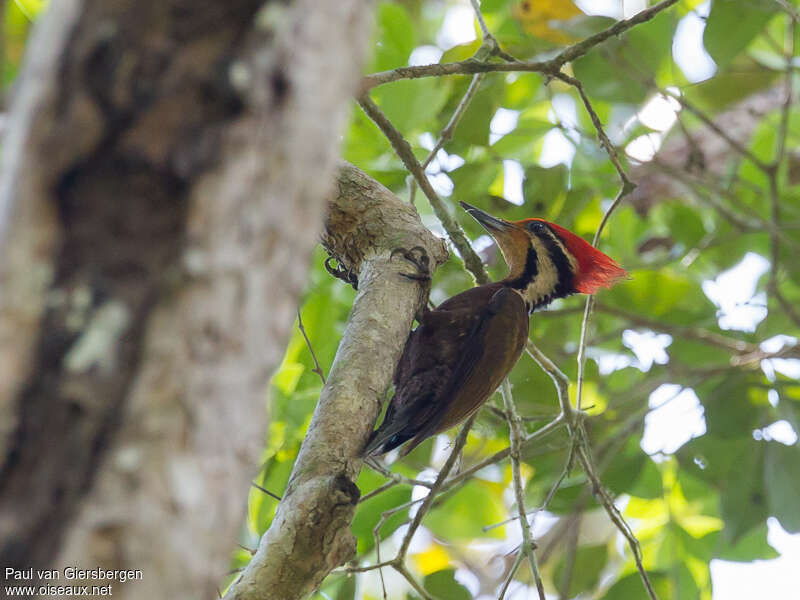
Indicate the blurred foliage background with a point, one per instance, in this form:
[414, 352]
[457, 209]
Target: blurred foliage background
[691, 386]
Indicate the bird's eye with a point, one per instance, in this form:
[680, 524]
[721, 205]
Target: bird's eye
[536, 226]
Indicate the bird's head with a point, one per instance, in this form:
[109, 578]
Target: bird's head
[546, 261]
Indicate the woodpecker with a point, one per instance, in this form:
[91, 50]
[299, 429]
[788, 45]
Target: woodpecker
[461, 351]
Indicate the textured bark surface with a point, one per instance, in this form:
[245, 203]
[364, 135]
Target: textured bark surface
[163, 184]
[310, 534]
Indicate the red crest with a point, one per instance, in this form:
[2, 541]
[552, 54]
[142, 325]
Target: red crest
[595, 269]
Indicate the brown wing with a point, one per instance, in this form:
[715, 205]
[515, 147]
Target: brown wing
[489, 354]
[442, 376]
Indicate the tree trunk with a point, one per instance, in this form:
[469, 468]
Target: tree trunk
[310, 534]
[162, 186]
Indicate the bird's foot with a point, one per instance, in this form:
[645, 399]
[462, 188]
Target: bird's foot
[373, 463]
[340, 272]
[419, 258]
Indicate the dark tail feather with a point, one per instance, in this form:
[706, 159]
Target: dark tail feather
[381, 443]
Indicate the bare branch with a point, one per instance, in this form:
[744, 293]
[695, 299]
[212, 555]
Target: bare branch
[789, 9]
[447, 133]
[297, 552]
[551, 67]
[265, 491]
[628, 185]
[317, 369]
[437, 486]
[471, 260]
[774, 192]
[708, 122]
[517, 436]
[481, 21]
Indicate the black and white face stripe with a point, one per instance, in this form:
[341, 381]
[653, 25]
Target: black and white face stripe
[530, 272]
[549, 268]
[565, 269]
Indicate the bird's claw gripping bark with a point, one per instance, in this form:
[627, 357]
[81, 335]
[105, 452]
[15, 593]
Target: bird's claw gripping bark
[419, 258]
[341, 272]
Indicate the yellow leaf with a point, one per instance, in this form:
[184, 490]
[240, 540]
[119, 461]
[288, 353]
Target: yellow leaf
[537, 10]
[592, 401]
[287, 377]
[640, 508]
[435, 558]
[700, 525]
[31, 8]
[538, 18]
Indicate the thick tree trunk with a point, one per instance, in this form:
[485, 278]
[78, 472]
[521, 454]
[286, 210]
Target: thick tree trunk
[310, 534]
[162, 186]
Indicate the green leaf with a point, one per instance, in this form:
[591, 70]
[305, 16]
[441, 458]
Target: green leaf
[369, 513]
[411, 105]
[625, 467]
[782, 481]
[543, 183]
[654, 293]
[463, 515]
[610, 73]
[732, 24]
[395, 37]
[630, 587]
[442, 584]
[31, 8]
[589, 564]
[742, 78]
[474, 125]
[729, 411]
[735, 467]
[684, 223]
[460, 52]
[472, 181]
[749, 547]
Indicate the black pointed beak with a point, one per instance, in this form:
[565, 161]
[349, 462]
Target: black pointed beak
[487, 221]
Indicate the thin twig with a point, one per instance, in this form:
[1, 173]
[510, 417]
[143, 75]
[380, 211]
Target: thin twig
[453, 484]
[516, 436]
[552, 66]
[365, 568]
[317, 369]
[396, 477]
[790, 10]
[709, 122]
[510, 576]
[581, 358]
[401, 568]
[774, 189]
[446, 134]
[378, 490]
[616, 517]
[628, 185]
[569, 559]
[552, 492]
[471, 260]
[627, 188]
[584, 453]
[446, 468]
[693, 333]
[265, 490]
[577, 429]
[481, 22]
